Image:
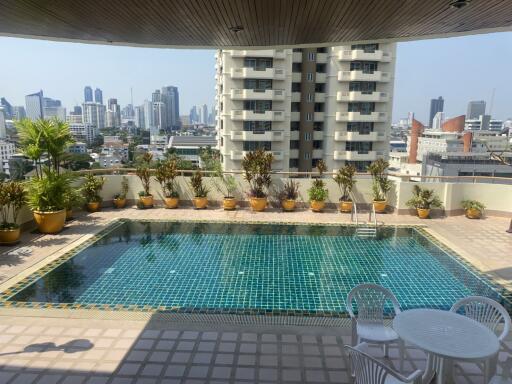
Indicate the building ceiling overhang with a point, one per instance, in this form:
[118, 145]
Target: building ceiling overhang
[248, 23]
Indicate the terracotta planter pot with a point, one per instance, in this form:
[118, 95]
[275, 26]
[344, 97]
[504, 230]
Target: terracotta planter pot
[380, 206]
[93, 206]
[171, 202]
[119, 203]
[200, 202]
[346, 206]
[69, 214]
[50, 222]
[317, 206]
[9, 236]
[423, 213]
[147, 201]
[258, 204]
[473, 213]
[288, 205]
[229, 203]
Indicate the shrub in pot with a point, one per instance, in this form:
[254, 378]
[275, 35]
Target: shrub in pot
[473, 209]
[45, 142]
[120, 197]
[143, 171]
[225, 184]
[12, 198]
[345, 180]
[381, 185]
[318, 191]
[166, 173]
[200, 200]
[423, 200]
[257, 166]
[91, 189]
[288, 195]
[73, 198]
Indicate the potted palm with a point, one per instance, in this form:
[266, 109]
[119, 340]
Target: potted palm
[381, 185]
[345, 180]
[91, 189]
[288, 195]
[72, 199]
[318, 191]
[200, 200]
[143, 171]
[423, 200]
[473, 209]
[257, 166]
[166, 173]
[12, 198]
[45, 142]
[120, 197]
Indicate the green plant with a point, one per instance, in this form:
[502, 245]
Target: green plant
[196, 182]
[91, 188]
[381, 185]
[345, 180]
[12, 198]
[472, 204]
[166, 173]
[257, 166]
[124, 189]
[47, 193]
[318, 190]
[423, 199]
[143, 171]
[290, 191]
[223, 182]
[73, 198]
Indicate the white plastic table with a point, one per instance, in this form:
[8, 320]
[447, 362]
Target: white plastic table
[445, 336]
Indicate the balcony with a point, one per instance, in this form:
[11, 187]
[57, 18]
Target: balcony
[297, 57]
[317, 153]
[376, 97]
[256, 94]
[375, 117]
[296, 77]
[243, 115]
[295, 97]
[355, 155]
[273, 53]
[378, 76]
[318, 116]
[321, 77]
[255, 136]
[319, 97]
[321, 58]
[359, 54]
[251, 73]
[239, 155]
[355, 136]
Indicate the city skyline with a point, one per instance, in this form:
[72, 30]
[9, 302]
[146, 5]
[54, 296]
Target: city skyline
[455, 56]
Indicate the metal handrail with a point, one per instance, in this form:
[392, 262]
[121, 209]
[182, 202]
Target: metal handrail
[354, 212]
[372, 211]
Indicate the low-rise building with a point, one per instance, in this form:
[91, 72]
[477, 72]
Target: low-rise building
[188, 147]
[78, 147]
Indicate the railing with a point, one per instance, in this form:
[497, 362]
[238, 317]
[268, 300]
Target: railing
[353, 213]
[374, 214]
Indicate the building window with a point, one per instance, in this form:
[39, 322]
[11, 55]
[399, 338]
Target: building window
[309, 76]
[297, 67]
[309, 116]
[258, 106]
[295, 87]
[295, 107]
[310, 98]
[295, 126]
[318, 144]
[366, 87]
[319, 107]
[257, 126]
[320, 87]
[318, 126]
[307, 136]
[307, 156]
[321, 50]
[221, 141]
[365, 108]
[294, 163]
[311, 56]
[369, 48]
[365, 66]
[363, 128]
[321, 68]
[297, 49]
[294, 144]
[361, 166]
[258, 63]
[254, 145]
[258, 84]
[359, 146]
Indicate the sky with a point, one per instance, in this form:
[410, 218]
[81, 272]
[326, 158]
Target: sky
[459, 69]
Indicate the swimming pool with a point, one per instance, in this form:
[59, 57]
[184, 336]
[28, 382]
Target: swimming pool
[248, 268]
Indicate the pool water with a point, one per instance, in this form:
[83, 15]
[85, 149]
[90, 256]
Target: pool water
[254, 267]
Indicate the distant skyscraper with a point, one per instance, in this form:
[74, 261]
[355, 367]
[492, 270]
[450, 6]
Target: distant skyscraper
[159, 118]
[171, 98]
[156, 96]
[204, 114]
[3, 130]
[475, 109]
[8, 109]
[148, 115]
[34, 105]
[77, 110]
[53, 109]
[88, 94]
[113, 114]
[193, 116]
[98, 96]
[19, 112]
[140, 121]
[438, 121]
[94, 114]
[436, 105]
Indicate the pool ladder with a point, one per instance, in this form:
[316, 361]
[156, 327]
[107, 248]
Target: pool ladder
[364, 229]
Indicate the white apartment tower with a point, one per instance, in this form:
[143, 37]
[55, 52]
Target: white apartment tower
[305, 104]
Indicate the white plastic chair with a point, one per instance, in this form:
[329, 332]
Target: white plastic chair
[490, 314]
[368, 325]
[365, 369]
[505, 377]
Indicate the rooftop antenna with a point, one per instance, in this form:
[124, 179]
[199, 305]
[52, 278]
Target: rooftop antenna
[492, 101]
[131, 95]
